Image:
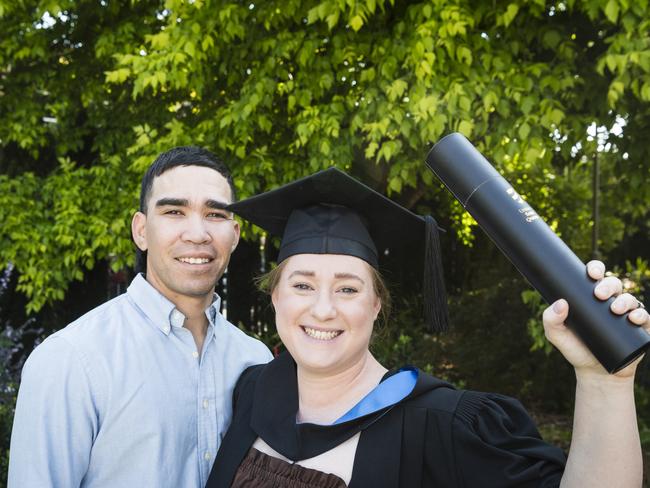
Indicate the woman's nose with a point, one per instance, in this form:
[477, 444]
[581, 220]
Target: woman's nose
[323, 308]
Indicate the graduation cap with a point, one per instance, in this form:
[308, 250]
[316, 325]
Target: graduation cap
[330, 212]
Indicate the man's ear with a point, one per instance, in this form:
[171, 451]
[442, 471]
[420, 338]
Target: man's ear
[139, 231]
[236, 239]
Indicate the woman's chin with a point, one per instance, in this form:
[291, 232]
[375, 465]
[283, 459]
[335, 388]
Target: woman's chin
[326, 354]
[317, 361]
[325, 363]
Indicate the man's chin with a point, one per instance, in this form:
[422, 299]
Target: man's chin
[198, 291]
[192, 285]
[195, 288]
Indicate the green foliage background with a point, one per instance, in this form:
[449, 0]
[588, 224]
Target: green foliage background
[92, 91]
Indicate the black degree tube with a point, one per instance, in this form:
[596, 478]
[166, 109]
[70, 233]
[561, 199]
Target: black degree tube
[538, 253]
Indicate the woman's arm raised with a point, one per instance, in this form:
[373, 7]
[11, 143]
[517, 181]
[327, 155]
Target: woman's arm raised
[605, 446]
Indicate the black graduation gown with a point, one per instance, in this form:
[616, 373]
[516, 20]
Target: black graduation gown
[436, 437]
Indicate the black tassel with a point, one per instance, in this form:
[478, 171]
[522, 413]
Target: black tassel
[436, 313]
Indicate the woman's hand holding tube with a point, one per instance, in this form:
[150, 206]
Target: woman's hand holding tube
[570, 345]
[605, 445]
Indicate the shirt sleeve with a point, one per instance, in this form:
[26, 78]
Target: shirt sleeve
[56, 419]
[496, 443]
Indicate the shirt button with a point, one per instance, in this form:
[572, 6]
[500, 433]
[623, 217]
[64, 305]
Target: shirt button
[166, 329]
[206, 403]
[195, 354]
[206, 456]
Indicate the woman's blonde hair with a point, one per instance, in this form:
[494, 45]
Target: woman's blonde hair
[269, 281]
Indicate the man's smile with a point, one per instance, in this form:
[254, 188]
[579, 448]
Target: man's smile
[192, 260]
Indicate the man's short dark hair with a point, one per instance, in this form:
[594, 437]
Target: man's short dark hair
[177, 156]
[182, 156]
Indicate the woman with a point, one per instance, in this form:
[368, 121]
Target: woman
[327, 414]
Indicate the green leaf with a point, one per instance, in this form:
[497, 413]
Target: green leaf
[312, 15]
[645, 92]
[465, 127]
[396, 89]
[510, 14]
[333, 19]
[616, 89]
[325, 147]
[356, 23]
[464, 55]
[611, 10]
[556, 116]
[552, 38]
[527, 104]
[371, 150]
[117, 76]
[524, 130]
[189, 48]
[395, 184]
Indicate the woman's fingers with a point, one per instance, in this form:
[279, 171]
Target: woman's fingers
[624, 303]
[555, 315]
[596, 269]
[640, 316]
[608, 287]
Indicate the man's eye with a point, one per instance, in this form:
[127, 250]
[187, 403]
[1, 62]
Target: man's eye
[173, 212]
[218, 216]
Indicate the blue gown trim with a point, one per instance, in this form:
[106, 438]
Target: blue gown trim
[389, 392]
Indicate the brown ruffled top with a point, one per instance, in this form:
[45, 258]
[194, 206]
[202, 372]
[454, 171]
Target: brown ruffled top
[259, 470]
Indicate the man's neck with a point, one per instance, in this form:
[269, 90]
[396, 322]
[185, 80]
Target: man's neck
[193, 309]
[196, 320]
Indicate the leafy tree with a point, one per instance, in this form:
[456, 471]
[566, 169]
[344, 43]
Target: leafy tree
[91, 92]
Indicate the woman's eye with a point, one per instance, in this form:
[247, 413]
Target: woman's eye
[301, 286]
[348, 290]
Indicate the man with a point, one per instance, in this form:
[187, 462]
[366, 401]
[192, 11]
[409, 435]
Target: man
[137, 392]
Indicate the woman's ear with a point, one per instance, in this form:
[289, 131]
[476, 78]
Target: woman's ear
[377, 307]
[274, 297]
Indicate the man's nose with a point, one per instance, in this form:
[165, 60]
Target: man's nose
[196, 230]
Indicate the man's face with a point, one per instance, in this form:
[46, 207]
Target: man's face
[186, 232]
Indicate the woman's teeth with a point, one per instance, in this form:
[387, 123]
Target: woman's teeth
[194, 260]
[321, 335]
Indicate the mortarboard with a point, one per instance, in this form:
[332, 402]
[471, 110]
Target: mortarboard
[330, 212]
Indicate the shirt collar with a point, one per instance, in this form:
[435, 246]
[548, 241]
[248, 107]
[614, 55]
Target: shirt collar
[159, 310]
[213, 310]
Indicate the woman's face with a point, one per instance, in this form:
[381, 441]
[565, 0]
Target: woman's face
[325, 307]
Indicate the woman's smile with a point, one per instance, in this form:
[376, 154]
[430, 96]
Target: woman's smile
[321, 335]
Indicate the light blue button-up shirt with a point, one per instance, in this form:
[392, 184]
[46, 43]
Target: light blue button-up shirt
[122, 398]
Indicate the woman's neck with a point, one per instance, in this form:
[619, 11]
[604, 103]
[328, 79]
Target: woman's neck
[324, 397]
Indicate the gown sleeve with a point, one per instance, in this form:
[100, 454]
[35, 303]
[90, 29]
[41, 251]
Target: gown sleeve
[496, 443]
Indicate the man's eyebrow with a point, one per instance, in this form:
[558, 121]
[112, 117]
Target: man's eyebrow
[172, 202]
[184, 202]
[216, 204]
